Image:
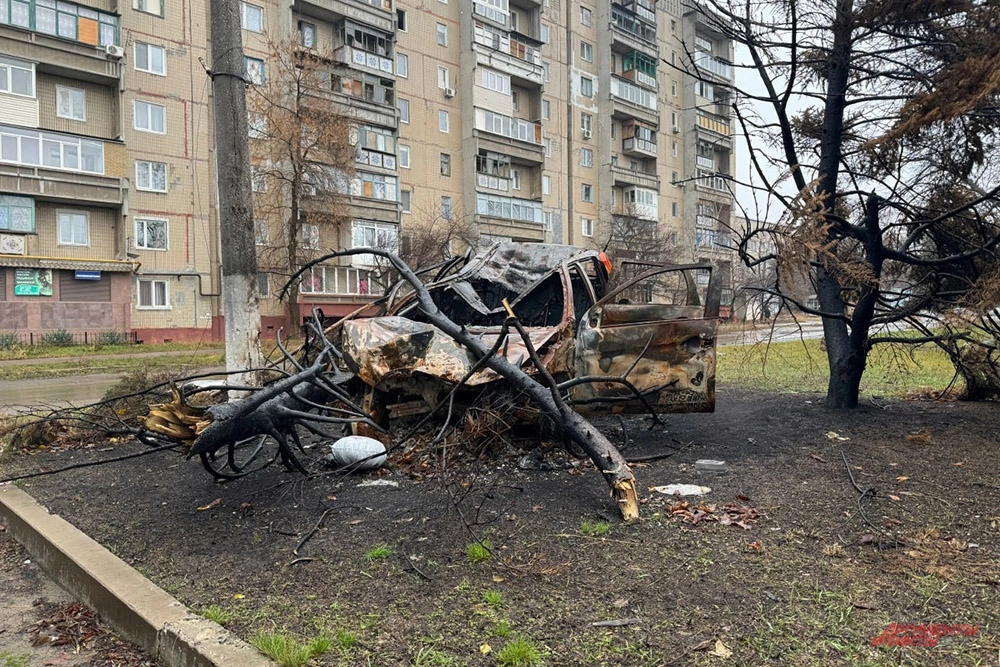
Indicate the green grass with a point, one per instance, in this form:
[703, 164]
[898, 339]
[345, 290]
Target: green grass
[346, 639]
[50, 351]
[102, 364]
[381, 552]
[893, 370]
[217, 614]
[502, 628]
[287, 650]
[493, 598]
[594, 528]
[519, 652]
[14, 660]
[478, 552]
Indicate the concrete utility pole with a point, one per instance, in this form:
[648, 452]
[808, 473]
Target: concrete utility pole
[232, 156]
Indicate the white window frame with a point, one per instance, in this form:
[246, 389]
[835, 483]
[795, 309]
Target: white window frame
[149, 49]
[254, 69]
[496, 81]
[154, 7]
[308, 43]
[404, 157]
[405, 200]
[444, 164]
[586, 122]
[76, 95]
[444, 77]
[444, 121]
[586, 157]
[515, 100]
[546, 109]
[587, 227]
[546, 34]
[143, 222]
[246, 11]
[402, 65]
[515, 179]
[586, 16]
[309, 236]
[589, 83]
[153, 305]
[546, 184]
[401, 104]
[401, 20]
[11, 65]
[442, 34]
[447, 207]
[72, 218]
[149, 107]
[148, 167]
[587, 193]
[586, 52]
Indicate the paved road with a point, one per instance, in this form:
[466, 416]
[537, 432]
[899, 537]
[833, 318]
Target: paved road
[778, 332]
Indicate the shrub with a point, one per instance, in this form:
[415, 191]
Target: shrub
[8, 340]
[112, 338]
[57, 338]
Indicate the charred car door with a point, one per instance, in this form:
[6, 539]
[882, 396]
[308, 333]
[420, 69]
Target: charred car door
[655, 335]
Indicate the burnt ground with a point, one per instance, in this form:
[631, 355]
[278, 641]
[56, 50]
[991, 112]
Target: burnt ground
[807, 580]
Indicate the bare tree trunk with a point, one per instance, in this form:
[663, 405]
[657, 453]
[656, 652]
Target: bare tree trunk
[239, 253]
[294, 238]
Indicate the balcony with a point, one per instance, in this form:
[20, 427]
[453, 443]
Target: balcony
[509, 216]
[712, 238]
[625, 177]
[497, 11]
[636, 147]
[331, 281]
[365, 60]
[641, 78]
[512, 55]
[492, 182]
[712, 182]
[706, 162]
[632, 101]
[644, 9]
[376, 13]
[518, 138]
[717, 128]
[641, 202]
[709, 63]
[633, 33]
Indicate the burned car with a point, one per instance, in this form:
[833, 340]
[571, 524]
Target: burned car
[634, 337]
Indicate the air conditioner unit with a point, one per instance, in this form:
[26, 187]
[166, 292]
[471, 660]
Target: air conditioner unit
[11, 244]
[449, 92]
[114, 50]
[677, 129]
[587, 134]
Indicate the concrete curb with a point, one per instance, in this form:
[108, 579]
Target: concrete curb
[142, 612]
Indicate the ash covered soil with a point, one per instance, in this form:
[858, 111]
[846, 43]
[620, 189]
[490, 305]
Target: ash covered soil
[784, 561]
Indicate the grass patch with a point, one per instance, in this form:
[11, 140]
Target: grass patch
[502, 628]
[493, 598]
[519, 652]
[381, 552]
[103, 364]
[893, 370]
[14, 660]
[478, 552]
[15, 351]
[217, 614]
[287, 650]
[594, 528]
[429, 657]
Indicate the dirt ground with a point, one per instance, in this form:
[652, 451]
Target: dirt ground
[785, 562]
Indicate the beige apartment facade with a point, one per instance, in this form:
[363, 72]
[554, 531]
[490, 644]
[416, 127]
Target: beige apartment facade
[540, 121]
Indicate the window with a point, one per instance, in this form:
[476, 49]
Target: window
[17, 214]
[404, 199]
[674, 209]
[151, 234]
[514, 19]
[16, 77]
[401, 20]
[515, 179]
[153, 294]
[586, 192]
[404, 110]
[261, 232]
[404, 157]
[547, 143]
[443, 78]
[586, 16]
[445, 164]
[546, 184]
[74, 228]
[256, 125]
[254, 68]
[673, 88]
[402, 65]
[586, 52]
[674, 149]
[545, 33]
[71, 103]
[442, 34]
[494, 80]
[151, 176]
[586, 86]
[307, 36]
[263, 283]
[258, 179]
[546, 109]
[546, 73]
[150, 58]
[586, 157]
[515, 100]
[252, 17]
[310, 237]
[674, 177]
[149, 117]
[49, 149]
[587, 226]
[148, 6]
[705, 89]
[443, 120]
[586, 122]
[365, 234]
[446, 210]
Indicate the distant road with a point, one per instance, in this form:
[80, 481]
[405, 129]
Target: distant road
[778, 332]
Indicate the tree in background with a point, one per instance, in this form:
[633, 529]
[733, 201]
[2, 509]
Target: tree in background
[303, 155]
[878, 115]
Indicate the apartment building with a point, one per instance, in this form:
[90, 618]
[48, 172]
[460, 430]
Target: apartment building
[535, 120]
